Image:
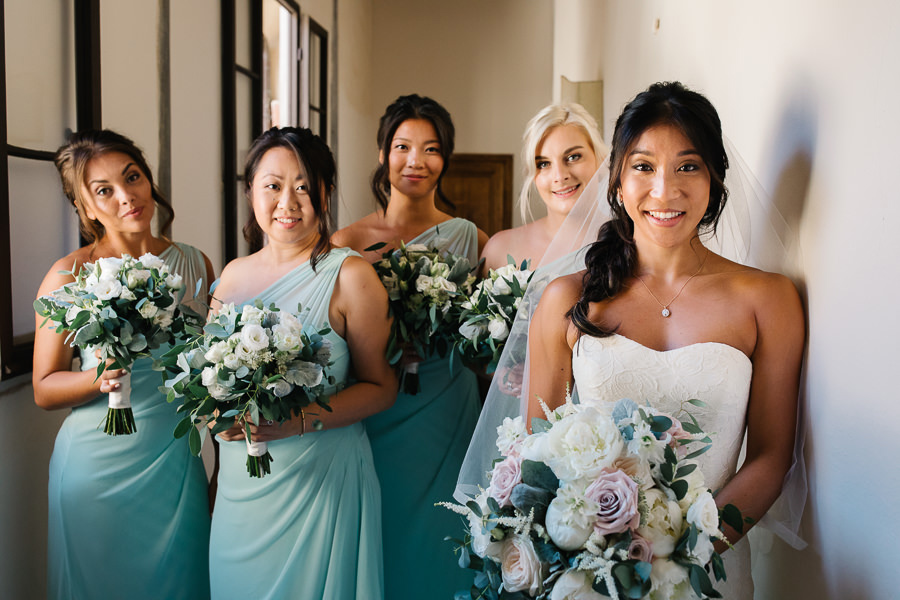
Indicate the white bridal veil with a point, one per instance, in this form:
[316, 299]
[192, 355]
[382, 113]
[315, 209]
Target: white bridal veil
[751, 231]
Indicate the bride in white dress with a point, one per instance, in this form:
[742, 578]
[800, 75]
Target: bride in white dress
[659, 318]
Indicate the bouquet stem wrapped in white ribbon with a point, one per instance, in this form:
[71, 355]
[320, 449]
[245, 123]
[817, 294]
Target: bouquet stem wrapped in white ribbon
[122, 308]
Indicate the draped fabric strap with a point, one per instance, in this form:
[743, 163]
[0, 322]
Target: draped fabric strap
[456, 236]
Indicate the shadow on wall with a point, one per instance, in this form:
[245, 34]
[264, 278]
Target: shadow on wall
[788, 573]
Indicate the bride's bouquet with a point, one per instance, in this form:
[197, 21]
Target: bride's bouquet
[593, 505]
[486, 316]
[423, 284]
[246, 364]
[124, 307]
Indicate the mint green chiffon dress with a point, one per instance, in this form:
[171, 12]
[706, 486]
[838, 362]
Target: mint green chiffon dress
[129, 514]
[419, 445]
[311, 529]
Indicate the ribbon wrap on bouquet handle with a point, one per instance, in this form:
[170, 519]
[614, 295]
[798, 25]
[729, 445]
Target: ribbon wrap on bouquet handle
[121, 398]
[256, 448]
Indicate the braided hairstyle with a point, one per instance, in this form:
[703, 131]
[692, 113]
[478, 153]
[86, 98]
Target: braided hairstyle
[612, 259]
[403, 109]
[317, 161]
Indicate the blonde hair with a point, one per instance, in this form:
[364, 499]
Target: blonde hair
[547, 119]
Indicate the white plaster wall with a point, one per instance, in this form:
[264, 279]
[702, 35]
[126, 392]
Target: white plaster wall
[577, 42]
[489, 63]
[807, 91]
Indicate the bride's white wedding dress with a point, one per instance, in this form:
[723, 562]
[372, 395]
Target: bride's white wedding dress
[608, 369]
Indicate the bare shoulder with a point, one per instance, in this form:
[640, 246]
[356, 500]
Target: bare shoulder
[495, 250]
[357, 274]
[233, 274]
[563, 292]
[357, 234]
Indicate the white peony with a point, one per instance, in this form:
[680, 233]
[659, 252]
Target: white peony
[568, 519]
[574, 585]
[662, 522]
[498, 328]
[254, 337]
[231, 361]
[510, 434]
[670, 581]
[579, 446]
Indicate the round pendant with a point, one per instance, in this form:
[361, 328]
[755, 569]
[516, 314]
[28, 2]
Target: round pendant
[665, 312]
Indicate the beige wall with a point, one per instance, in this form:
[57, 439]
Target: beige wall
[807, 91]
[489, 63]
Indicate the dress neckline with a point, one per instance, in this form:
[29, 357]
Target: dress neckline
[672, 350]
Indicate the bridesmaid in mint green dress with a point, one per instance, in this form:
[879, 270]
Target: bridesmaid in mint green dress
[128, 515]
[420, 443]
[310, 529]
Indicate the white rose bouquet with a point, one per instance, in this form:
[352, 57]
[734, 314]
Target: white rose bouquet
[423, 285]
[486, 316]
[246, 364]
[592, 505]
[124, 307]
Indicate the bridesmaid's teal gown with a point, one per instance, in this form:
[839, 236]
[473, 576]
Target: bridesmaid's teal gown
[129, 515]
[419, 445]
[311, 529]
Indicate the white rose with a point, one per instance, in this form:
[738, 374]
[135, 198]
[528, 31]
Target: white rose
[244, 354]
[127, 294]
[254, 337]
[520, 567]
[498, 328]
[208, 376]
[217, 391]
[148, 310]
[472, 331]
[163, 318]
[174, 281]
[664, 520]
[568, 520]
[107, 289]
[286, 337]
[216, 352]
[522, 277]
[703, 549]
[445, 285]
[574, 585]
[280, 388]
[504, 272]
[136, 277]
[252, 315]
[149, 261]
[704, 514]
[501, 287]
[696, 486]
[580, 446]
[424, 283]
[108, 268]
[231, 361]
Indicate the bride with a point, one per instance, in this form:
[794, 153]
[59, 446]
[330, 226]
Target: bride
[658, 317]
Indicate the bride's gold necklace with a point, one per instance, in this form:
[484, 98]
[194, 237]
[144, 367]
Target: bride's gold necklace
[665, 307]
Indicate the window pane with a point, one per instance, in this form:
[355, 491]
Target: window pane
[37, 211]
[40, 67]
[244, 124]
[280, 65]
[315, 73]
[243, 9]
[242, 213]
[315, 121]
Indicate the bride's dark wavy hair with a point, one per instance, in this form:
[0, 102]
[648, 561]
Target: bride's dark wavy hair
[317, 161]
[612, 259]
[403, 109]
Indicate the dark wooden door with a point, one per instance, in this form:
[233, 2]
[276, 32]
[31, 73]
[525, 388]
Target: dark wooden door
[480, 185]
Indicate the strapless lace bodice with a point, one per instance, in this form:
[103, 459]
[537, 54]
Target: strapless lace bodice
[608, 369]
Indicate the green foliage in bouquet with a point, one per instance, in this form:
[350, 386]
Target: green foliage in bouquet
[246, 365]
